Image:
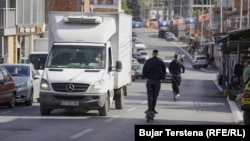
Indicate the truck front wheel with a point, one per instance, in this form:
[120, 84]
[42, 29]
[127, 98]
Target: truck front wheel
[105, 109]
[43, 110]
[119, 99]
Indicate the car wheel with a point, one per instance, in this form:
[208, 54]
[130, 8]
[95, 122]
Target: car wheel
[44, 111]
[12, 102]
[29, 102]
[119, 99]
[105, 109]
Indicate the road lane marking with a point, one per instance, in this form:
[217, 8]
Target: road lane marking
[5, 112]
[112, 118]
[131, 109]
[81, 133]
[28, 107]
[143, 102]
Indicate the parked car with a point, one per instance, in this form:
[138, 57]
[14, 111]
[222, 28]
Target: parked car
[27, 81]
[134, 61]
[137, 70]
[134, 36]
[138, 56]
[162, 31]
[200, 61]
[170, 37]
[139, 46]
[133, 75]
[144, 54]
[7, 89]
[167, 33]
[168, 76]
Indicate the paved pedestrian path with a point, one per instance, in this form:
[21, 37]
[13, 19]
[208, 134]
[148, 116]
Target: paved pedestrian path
[234, 106]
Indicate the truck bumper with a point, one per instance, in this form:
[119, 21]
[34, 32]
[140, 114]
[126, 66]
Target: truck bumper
[69, 101]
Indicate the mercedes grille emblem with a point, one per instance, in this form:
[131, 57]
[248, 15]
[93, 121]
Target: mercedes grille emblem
[70, 87]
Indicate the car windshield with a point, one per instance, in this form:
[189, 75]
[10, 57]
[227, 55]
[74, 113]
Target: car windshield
[77, 56]
[41, 58]
[18, 71]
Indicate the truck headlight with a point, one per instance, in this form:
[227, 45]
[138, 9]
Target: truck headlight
[44, 84]
[97, 86]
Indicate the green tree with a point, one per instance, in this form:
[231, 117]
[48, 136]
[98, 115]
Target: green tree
[125, 7]
[135, 6]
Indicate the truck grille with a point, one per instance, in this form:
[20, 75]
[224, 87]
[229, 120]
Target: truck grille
[69, 87]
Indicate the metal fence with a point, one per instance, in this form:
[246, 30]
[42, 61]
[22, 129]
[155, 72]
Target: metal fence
[7, 17]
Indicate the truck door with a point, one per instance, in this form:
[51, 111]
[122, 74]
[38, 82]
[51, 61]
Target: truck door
[110, 71]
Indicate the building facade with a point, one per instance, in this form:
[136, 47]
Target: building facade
[23, 20]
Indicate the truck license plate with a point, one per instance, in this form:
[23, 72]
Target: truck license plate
[70, 103]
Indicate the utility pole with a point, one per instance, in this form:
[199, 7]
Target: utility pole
[221, 18]
[241, 5]
[202, 10]
[247, 13]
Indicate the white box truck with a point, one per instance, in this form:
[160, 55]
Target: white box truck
[89, 62]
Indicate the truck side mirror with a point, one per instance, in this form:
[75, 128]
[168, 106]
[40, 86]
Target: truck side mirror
[118, 66]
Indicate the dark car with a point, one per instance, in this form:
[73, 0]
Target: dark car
[7, 89]
[162, 32]
[134, 36]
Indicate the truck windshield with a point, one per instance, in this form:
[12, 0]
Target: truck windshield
[76, 56]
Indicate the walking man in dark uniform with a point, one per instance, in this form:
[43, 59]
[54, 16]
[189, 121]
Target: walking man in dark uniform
[154, 71]
[176, 68]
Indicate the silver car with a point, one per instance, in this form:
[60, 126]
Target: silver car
[200, 61]
[27, 81]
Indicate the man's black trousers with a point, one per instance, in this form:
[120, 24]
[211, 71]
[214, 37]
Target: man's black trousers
[153, 89]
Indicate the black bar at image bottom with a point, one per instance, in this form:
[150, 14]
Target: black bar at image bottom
[197, 132]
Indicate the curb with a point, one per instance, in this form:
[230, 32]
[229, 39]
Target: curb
[237, 114]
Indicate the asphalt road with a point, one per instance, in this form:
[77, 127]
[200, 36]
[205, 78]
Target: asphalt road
[201, 103]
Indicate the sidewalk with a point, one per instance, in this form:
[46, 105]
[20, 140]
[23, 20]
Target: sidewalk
[234, 106]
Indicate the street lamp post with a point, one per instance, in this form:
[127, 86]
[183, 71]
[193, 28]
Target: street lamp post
[202, 9]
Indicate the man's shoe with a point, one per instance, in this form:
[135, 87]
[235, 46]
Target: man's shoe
[155, 112]
[177, 96]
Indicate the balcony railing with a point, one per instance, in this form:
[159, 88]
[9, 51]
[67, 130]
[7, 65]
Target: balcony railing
[7, 17]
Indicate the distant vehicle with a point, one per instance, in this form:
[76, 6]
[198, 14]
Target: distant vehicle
[170, 37]
[167, 33]
[7, 89]
[39, 55]
[134, 61]
[144, 54]
[134, 36]
[138, 71]
[27, 81]
[200, 61]
[161, 32]
[38, 59]
[168, 76]
[139, 46]
[138, 56]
